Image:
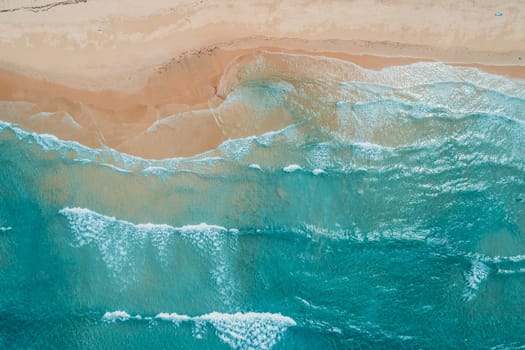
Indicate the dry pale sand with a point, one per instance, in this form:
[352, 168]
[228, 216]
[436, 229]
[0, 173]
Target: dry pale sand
[103, 71]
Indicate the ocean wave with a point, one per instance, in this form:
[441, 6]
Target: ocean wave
[318, 171]
[288, 133]
[499, 264]
[354, 233]
[373, 128]
[292, 168]
[477, 274]
[157, 170]
[84, 220]
[72, 151]
[114, 316]
[418, 109]
[120, 242]
[320, 155]
[499, 258]
[443, 97]
[511, 346]
[75, 152]
[238, 148]
[291, 66]
[251, 330]
[4, 229]
[510, 272]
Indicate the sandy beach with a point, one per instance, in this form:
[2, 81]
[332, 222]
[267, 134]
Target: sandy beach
[104, 72]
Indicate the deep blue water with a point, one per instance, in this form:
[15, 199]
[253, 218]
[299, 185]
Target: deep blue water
[387, 213]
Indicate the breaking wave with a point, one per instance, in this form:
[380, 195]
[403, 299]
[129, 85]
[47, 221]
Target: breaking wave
[244, 331]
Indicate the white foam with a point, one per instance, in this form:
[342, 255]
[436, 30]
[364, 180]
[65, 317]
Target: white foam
[119, 242]
[109, 157]
[478, 273]
[291, 168]
[308, 304]
[408, 233]
[510, 272]
[500, 259]
[266, 139]
[311, 230]
[320, 156]
[511, 346]
[151, 227]
[254, 166]
[202, 227]
[250, 330]
[372, 148]
[173, 317]
[4, 229]
[87, 221]
[213, 243]
[318, 171]
[336, 330]
[116, 168]
[156, 170]
[114, 316]
[237, 149]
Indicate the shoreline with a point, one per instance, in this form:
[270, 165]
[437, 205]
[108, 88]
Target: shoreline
[369, 55]
[186, 86]
[103, 72]
[118, 45]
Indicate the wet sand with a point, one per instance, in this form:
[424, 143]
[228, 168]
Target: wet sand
[102, 73]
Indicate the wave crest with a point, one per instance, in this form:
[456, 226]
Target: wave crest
[251, 330]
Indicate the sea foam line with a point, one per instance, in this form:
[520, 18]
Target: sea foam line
[498, 258]
[510, 272]
[108, 157]
[90, 215]
[4, 229]
[401, 77]
[250, 330]
[233, 149]
[119, 242]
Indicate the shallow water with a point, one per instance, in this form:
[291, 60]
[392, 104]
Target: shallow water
[384, 211]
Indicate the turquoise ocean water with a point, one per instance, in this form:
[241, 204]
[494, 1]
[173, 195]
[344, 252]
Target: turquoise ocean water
[387, 212]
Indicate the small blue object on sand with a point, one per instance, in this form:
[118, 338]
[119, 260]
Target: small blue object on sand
[498, 14]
